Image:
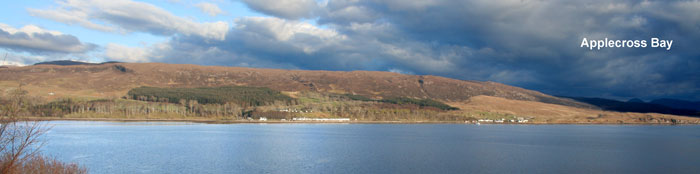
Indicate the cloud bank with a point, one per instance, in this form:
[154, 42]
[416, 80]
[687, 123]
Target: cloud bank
[528, 43]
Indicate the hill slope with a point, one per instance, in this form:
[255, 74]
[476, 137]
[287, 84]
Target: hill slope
[115, 79]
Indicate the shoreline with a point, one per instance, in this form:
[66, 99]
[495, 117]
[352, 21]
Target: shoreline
[210, 121]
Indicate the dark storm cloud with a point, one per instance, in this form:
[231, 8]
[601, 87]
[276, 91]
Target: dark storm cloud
[535, 44]
[532, 44]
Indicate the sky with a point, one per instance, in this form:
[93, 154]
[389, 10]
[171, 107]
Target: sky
[532, 44]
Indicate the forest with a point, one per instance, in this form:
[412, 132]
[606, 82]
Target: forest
[241, 95]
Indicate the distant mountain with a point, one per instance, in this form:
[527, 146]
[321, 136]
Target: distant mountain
[635, 100]
[636, 105]
[71, 62]
[678, 104]
[64, 63]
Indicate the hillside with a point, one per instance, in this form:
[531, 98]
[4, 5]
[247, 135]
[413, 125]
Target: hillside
[127, 91]
[115, 79]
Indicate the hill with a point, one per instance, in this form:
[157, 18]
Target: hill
[193, 92]
[115, 79]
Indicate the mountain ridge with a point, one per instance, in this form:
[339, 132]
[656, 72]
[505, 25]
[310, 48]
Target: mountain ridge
[677, 104]
[637, 105]
[72, 62]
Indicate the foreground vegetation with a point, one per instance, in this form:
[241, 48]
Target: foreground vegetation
[20, 142]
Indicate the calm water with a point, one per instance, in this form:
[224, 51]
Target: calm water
[157, 147]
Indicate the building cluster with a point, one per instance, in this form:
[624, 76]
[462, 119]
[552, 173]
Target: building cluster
[295, 110]
[320, 119]
[309, 119]
[503, 120]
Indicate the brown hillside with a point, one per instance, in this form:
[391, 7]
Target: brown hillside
[114, 80]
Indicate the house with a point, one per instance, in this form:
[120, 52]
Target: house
[522, 120]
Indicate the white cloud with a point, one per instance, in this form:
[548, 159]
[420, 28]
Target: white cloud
[395, 70]
[304, 36]
[209, 8]
[34, 39]
[285, 30]
[288, 9]
[21, 60]
[28, 29]
[130, 16]
[123, 53]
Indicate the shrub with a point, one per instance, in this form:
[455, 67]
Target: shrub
[40, 164]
